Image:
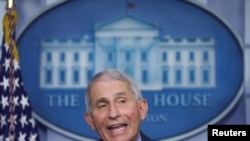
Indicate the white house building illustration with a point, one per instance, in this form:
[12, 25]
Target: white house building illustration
[134, 46]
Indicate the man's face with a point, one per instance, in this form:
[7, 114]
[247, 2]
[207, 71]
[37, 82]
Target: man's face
[115, 113]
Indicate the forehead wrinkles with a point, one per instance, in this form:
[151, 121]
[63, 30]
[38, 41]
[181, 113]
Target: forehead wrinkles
[117, 94]
[101, 80]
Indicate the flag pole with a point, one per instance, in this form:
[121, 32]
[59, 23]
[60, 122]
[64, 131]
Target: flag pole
[10, 4]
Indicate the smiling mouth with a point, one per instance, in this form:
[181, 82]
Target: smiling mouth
[117, 127]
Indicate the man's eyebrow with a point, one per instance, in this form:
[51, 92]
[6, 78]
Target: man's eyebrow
[105, 100]
[101, 100]
[120, 94]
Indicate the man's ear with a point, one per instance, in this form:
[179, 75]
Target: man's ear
[89, 120]
[143, 105]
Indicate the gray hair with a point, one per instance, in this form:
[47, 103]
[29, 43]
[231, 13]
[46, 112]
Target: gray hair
[112, 74]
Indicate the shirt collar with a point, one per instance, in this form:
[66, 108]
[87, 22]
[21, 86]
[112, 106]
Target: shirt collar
[139, 137]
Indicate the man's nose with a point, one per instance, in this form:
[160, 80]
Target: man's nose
[114, 111]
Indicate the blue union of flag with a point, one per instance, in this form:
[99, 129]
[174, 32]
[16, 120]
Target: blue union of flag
[16, 121]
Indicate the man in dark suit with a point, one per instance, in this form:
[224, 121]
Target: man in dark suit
[115, 107]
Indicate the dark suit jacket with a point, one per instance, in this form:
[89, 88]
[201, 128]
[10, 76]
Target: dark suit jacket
[143, 137]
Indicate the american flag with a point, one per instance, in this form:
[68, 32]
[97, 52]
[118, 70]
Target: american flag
[16, 121]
